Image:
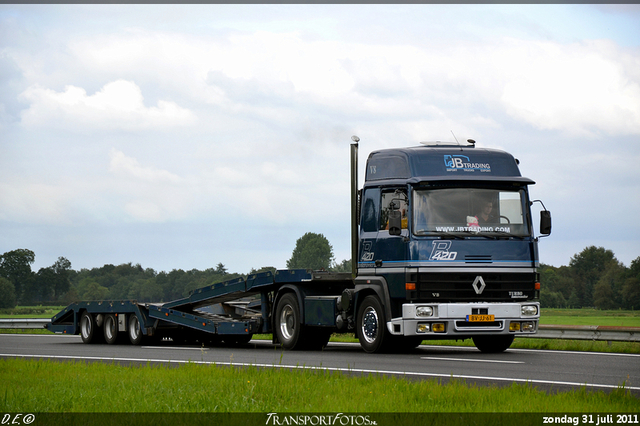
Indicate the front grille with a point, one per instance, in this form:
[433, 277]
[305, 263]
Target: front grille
[478, 258]
[458, 287]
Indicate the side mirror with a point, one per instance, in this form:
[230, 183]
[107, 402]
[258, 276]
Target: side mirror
[545, 222]
[395, 222]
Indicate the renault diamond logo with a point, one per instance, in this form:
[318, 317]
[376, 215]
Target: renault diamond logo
[479, 285]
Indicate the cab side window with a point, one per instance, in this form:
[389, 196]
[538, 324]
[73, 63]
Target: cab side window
[399, 199]
[370, 210]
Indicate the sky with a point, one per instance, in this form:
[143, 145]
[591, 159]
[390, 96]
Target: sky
[183, 136]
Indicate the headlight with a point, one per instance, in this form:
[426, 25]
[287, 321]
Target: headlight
[528, 326]
[424, 311]
[529, 310]
[423, 328]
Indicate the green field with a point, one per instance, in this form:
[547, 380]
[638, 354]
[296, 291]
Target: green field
[49, 386]
[590, 317]
[30, 311]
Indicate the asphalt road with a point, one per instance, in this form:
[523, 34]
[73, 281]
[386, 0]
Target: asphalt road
[547, 370]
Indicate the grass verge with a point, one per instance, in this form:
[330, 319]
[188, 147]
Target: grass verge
[74, 387]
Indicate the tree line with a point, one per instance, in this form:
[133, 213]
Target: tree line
[593, 278]
[60, 284]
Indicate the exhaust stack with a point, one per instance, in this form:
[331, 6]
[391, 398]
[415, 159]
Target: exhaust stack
[354, 206]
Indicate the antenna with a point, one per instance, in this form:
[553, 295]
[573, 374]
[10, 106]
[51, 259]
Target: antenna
[454, 136]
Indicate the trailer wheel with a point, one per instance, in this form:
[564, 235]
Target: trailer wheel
[287, 326]
[493, 344]
[371, 328]
[110, 329]
[134, 330]
[89, 330]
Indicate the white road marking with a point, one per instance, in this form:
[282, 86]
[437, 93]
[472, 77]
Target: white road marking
[574, 352]
[471, 360]
[473, 349]
[182, 348]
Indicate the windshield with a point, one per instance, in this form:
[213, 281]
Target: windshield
[476, 211]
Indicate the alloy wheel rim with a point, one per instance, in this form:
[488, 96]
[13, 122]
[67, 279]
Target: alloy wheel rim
[370, 325]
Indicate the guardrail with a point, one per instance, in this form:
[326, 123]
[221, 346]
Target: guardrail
[570, 332]
[588, 332]
[24, 323]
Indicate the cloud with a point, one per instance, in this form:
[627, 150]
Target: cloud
[259, 190]
[118, 105]
[281, 77]
[146, 193]
[130, 167]
[35, 203]
[582, 88]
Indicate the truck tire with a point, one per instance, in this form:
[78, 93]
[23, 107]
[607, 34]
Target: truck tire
[287, 322]
[493, 344]
[110, 329]
[371, 326]
[89, 330]
[134, 330]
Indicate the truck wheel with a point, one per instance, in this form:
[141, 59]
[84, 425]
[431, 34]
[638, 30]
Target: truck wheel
[89, 329]
[110, 329]
[372, 331]
[134, 330]
[493, 344]
[287, 326]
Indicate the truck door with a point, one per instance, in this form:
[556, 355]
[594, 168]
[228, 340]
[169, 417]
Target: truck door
[369, 225]
[376, 242]
[392, 247]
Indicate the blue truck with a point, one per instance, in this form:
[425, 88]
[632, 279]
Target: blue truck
[442, 248]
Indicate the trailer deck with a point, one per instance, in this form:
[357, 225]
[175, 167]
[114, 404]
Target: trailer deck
[232, 310]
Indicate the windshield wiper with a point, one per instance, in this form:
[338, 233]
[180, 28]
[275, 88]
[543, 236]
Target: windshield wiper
[509, 234]
[457, 236]
[441, 234]
[444, 234]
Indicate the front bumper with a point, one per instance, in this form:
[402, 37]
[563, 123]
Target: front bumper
[460, 320]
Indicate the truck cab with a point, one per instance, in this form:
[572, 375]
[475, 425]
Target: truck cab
[446, 248]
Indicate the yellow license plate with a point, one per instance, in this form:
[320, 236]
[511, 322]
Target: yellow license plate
[481, 318]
